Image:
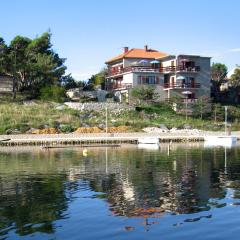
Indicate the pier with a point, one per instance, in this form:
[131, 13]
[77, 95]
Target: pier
[85, 139]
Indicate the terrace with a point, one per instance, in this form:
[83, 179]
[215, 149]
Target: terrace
[151, 69]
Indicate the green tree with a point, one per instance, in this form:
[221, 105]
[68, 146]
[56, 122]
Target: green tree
[69, 82]
[217, 112]
[218, 72]
[3, 55]
[201, 107]
[143, 93]
[32, 63]
[98, 79]
[235, 78]
[52, 93]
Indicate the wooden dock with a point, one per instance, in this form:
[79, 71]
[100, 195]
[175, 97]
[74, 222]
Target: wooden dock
[93, 139]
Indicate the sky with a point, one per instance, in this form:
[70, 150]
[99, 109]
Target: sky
[89, 32]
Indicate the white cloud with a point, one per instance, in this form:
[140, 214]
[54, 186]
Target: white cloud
[234, 50]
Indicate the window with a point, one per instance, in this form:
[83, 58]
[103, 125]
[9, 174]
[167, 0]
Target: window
[148, 80]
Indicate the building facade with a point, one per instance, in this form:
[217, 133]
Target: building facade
[6, 83]
[184, 76]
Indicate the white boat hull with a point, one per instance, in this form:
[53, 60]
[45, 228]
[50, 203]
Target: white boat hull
[148, 146]
[225, 141]
[148, 140]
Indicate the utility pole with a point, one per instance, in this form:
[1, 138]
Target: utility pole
[225, 119]
[106, 123]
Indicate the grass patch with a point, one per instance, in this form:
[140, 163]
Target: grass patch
[40, 114]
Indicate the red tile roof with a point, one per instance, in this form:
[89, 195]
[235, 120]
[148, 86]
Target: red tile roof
[139, 53]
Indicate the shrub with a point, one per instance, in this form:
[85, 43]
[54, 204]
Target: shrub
[110, 95]
[66, 128]
[52, 93]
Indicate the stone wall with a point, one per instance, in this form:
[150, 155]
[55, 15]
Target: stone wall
[6, 84]
[96, 106]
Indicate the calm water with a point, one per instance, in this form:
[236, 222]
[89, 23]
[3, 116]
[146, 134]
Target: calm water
[177, 192]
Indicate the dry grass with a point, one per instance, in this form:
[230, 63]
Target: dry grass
[22, 117]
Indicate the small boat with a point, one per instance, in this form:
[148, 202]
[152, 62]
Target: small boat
[225, 141]
[148, 140]
[148, 146]
[149, 143]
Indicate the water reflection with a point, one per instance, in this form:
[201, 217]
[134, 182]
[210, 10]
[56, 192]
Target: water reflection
[37, 187]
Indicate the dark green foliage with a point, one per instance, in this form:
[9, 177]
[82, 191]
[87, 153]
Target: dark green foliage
[143, 93]
[217, 112]
[52, 93]
[218, 72]
[235, 78]
[201, 107]
[65, 128]
[158, 108]
[110, 95]
[32, 63]
[97, 80]
[69, 82]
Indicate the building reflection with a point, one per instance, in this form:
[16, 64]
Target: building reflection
[176, 179]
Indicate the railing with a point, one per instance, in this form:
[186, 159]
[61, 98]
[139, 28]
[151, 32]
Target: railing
[180, 68]
[119, 86]
[183, 100]
[189, 100]
[150, 69]
[135, 69]
[182, 85]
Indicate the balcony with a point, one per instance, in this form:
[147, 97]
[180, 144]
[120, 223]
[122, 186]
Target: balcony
[150, 69]
[119, 86]
[182, 85]
[145, 69]
[180, 68]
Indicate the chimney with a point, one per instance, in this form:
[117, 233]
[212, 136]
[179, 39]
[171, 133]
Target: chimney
[125, 49]
[146, 48]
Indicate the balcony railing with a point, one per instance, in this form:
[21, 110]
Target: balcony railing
[183, 100]
[182, 85]
[115, 86]
[150, 69]
[180, 68]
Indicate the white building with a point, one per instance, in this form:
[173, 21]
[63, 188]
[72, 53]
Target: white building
[186, 76]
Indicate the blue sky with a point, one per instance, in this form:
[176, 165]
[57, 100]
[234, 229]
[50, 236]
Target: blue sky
[89, 32]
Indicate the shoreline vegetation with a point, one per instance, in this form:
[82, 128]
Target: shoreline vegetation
[42, 117]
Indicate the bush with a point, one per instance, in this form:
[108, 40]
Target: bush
[110, 95]
[52, 93]
[66, 128]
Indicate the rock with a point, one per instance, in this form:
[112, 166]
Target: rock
[85, 125]
[31, 130]
[163, 127]
[153, 130]
[101, 126]
[46, 131]
[12, 131]
[187, 126]
[88, 130]
[29, 103]
[60, 107]
[173, 129]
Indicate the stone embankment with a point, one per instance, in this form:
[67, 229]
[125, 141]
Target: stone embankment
[173, 131]
[96, 106]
